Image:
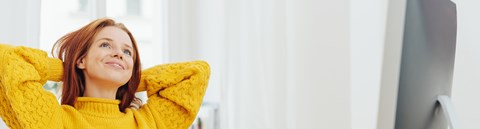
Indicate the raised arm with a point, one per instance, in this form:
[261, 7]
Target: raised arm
[24, 104]
[175, 92]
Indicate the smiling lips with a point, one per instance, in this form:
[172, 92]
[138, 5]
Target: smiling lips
[116, 65]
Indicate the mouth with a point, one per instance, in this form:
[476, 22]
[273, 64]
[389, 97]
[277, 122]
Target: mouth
[116, 65]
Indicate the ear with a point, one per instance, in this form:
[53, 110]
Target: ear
[81, 63]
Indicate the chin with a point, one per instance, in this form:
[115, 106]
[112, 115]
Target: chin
[120, 81]
[117, 77]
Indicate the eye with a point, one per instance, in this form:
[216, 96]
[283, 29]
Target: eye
[105, 44]
[126, 51]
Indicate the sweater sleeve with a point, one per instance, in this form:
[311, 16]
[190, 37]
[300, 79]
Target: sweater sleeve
[24, 104]
[175, 92]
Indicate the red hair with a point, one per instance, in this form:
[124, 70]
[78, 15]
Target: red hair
[74, 47]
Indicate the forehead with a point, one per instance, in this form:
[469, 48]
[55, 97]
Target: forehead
[116, 34]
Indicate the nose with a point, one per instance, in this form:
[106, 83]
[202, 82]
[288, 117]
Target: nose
[117, 54]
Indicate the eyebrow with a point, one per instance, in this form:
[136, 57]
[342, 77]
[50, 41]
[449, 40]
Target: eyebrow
[109, 39]
[126, 45]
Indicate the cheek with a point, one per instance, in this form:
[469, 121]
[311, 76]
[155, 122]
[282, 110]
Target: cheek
[97, 55]
[129, 63]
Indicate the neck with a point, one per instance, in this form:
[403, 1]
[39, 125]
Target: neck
[97, 90]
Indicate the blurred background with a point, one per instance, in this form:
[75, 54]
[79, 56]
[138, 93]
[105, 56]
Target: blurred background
[276, 64]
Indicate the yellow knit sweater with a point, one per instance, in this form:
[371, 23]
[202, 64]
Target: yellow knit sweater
[175, 93]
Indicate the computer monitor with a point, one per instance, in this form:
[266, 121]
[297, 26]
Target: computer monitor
[426, 66]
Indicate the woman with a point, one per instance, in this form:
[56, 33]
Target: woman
[100, 74]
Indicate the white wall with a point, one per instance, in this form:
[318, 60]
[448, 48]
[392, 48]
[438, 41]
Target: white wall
[466, 84]
[390, 72]
[368, 24]
[318, 64]
[20, 22]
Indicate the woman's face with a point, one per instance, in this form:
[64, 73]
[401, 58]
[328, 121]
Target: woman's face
[109, 61]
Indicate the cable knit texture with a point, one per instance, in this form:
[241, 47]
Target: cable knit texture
[175, 92]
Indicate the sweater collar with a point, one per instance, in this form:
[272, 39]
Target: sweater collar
[98, 106]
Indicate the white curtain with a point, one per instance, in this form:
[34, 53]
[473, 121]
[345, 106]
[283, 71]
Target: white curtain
[276, 64]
